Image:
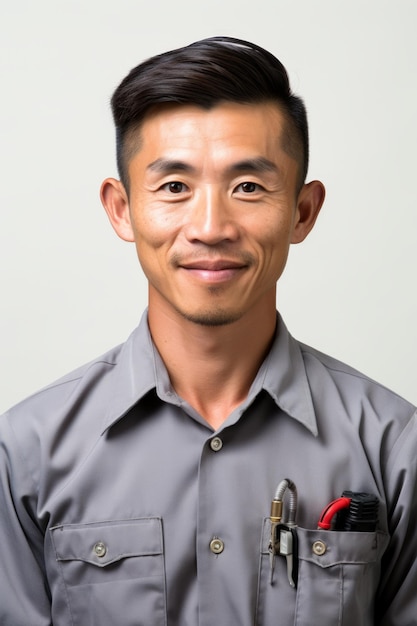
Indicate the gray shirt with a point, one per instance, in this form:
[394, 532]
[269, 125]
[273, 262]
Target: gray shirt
[120, 506]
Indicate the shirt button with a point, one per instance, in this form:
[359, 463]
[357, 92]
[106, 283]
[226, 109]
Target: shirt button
[319, 548]
[216, 444]
[100, 549]
[216, 545]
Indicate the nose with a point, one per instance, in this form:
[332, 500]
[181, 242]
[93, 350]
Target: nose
[211, 219]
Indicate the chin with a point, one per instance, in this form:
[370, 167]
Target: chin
[212, 318]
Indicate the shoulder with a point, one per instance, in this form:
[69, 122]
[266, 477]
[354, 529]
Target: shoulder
[68, 412]
[78, 406]
[60, 390]
[347, 387]
[58, 425]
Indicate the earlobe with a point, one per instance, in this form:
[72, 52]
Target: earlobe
[309, 203]
[116, 204]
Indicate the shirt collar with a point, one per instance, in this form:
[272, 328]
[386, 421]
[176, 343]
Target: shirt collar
[286, 378]
[283, 375]
[133, 375]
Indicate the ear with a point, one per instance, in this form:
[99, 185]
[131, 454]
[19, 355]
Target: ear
[309, 203]
[116, 203]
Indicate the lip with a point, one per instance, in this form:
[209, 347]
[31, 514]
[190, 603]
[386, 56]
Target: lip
[213, 271]
[212, 265]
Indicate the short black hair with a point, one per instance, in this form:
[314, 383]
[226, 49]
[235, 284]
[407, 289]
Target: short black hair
[206, 73]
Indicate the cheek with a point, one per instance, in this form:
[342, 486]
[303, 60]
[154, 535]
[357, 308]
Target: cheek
[153, 230]
[272, 235]
[155, 235]
[273, 243]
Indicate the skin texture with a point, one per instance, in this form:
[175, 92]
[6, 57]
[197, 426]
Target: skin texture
[212, 210]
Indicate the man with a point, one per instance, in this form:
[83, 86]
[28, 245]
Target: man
[137, 490]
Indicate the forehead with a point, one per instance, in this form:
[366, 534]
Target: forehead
[225, 130]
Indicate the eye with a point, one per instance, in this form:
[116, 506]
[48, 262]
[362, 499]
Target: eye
[248, 187]
[175, 187]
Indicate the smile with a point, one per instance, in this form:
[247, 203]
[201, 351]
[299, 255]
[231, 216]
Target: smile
[210, 271]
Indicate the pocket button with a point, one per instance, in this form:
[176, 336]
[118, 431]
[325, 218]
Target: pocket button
[319, 548]
[100, 549]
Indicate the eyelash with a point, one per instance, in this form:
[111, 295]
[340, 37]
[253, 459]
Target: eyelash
[256, 187]
[168, 187]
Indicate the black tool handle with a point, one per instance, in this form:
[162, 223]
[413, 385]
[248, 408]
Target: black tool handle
[361, 515]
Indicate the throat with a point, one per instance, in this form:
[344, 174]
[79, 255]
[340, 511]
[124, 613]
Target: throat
[212, 368]
[216, 409]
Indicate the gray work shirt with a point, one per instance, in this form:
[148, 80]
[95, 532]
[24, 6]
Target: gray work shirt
[120, 506]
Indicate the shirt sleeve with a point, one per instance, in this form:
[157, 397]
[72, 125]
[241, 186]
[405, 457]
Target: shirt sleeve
[24, 597]
[396, 604]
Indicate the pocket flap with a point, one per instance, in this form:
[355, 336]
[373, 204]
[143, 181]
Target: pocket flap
[327, 548]
[103, 543]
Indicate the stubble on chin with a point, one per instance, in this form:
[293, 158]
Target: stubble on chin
[215, 317]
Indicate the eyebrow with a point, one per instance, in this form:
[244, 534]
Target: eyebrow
[256, 165]
[166, 166]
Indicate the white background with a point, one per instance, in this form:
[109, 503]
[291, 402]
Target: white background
[69, 289]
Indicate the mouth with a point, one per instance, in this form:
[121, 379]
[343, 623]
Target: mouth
[213, 271]
[212, 265]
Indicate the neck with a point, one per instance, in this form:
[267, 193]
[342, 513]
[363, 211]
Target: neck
[212, 367]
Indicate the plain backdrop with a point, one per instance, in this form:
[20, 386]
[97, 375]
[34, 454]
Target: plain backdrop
[70, 290]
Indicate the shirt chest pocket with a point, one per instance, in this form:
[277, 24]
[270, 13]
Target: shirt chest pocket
[113, 572]
[338, 574]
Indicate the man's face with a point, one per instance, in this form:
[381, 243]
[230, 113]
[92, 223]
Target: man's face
[212, 209]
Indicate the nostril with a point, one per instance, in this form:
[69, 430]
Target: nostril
[211, 231]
